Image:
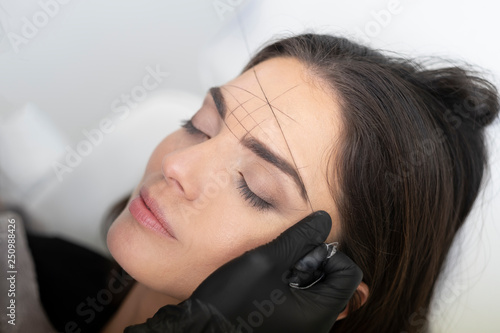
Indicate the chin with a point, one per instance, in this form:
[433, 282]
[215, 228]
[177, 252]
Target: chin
[118, 239]
[137, 252]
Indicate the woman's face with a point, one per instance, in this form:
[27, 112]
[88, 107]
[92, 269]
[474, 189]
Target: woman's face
[251, 163]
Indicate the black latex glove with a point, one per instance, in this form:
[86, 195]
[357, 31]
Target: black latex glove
[251, 293]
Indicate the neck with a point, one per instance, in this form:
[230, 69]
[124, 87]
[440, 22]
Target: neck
[140, 304]
[148, 301]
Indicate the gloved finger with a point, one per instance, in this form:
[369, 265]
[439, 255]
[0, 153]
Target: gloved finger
[313, 259]
[298, 240]
[304, 280]
[342, 277]
[309, 269]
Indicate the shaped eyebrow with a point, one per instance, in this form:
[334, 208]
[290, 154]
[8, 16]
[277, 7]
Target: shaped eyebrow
[219, 101]
[258, 147]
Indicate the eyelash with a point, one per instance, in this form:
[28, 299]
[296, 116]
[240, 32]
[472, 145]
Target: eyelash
[253, 199]
[189, 127]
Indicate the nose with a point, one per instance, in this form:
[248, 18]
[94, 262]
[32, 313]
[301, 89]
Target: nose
[189, 169]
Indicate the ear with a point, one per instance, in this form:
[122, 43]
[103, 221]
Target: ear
[362, 291]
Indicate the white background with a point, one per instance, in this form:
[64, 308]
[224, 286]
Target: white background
[89, 53]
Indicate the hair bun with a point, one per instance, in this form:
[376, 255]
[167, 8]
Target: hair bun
[467, 95]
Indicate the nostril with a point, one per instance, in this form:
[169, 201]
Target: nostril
[176, 183]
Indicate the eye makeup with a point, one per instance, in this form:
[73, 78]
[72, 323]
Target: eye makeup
[251, 197]
[189, 127]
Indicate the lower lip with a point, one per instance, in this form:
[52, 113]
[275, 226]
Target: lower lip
[144, 216]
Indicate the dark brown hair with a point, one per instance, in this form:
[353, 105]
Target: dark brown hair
[405, 173]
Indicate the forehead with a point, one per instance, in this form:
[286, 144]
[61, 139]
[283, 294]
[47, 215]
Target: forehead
[281, 104]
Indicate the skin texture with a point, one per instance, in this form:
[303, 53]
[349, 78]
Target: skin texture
[195, 178]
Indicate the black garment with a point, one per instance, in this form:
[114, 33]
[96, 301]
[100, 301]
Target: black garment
[80, 290]
[191, 316]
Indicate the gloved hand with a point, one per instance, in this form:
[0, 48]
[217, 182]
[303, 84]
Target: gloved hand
[251, 293]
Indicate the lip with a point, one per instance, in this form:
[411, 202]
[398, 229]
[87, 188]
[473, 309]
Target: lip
[147, 212]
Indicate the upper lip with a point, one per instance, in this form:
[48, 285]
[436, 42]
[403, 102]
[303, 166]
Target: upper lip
[154, 207]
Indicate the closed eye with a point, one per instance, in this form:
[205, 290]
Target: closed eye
[251, 197]
[191, 129]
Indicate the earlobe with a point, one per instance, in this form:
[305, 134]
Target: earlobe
[362, 293]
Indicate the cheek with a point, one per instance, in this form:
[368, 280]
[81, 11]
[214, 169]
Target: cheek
[224, 234]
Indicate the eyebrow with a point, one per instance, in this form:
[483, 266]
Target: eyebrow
[258, 147]
[219, 101]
